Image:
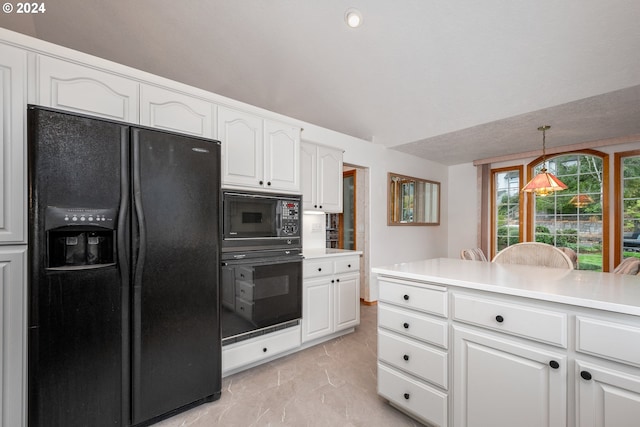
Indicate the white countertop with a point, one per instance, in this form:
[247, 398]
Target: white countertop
[605, 291]
[324, 252]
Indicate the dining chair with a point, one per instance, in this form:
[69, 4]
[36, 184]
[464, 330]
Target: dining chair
[474, 254]
[629, 265]
[573, 256]
[534, 253]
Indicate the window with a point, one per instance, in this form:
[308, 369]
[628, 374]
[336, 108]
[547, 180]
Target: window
[576, 217]
[506, 208]
[627, 190]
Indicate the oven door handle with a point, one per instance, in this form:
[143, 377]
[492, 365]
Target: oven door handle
[263, 261]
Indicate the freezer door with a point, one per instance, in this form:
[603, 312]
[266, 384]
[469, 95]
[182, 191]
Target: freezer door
[176, 331]
[78, 301]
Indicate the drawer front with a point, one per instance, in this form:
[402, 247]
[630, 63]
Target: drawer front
[253, 350]
[424, 402]
[533, 323]
[414, 325]
[347, 264]
[428, 300]
[414, 358]
[244, 308]
[610, 340]
[244, 290]
[317, 268]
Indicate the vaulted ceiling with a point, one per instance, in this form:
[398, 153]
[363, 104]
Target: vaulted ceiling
[451, 81]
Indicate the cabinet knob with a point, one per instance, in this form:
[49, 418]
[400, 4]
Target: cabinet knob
[337, 280]
[320, 206]
[406, 357]
[554, 364]
[268, 182]
[406, 325]
[315, 206]
[319, 268]
[499, 319]
[264, 350]
[406, 297]
[406, 396]
[585, 375]
[333, 281]
[261, 182]
[348, 265]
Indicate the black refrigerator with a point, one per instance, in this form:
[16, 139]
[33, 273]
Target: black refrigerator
[124, 319]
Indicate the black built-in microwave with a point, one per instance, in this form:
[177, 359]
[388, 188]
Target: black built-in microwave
[260, 221]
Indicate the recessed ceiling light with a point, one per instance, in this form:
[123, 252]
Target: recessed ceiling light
[353, 18]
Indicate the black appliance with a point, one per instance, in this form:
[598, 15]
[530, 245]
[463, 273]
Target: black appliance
[261, 276]
[259, 221]
[124, 234]
[261, 292]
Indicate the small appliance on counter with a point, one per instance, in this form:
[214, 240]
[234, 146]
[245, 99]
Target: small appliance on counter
[261, 276]
[123, 290]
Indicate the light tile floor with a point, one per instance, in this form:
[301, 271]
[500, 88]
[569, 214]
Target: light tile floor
[330, 384]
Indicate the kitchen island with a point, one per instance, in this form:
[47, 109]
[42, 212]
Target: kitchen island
[469, 343]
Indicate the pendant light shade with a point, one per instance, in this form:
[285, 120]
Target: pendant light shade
[544, 183]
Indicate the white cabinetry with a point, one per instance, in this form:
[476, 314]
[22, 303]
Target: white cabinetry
[83, 89]
[257, 153]
[13, 90]
[173, 111]
[503, 382]
[412, 349]
[13, 335]
[331, 296]
[607, 393]
[321, 169]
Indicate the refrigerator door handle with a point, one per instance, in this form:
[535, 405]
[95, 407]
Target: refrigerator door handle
[139, 212]
[121, 233]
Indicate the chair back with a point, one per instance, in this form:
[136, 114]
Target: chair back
[628, 266]
[573, 256]
[534, 253]
[474, 254]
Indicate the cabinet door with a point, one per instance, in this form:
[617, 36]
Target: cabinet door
[242, 148]
[500, 382]
[13, 288]
[13, 89]
[79, 88]
[606, 397]
[282, 156]
[166, 109]
[330, 179]
[317, 310]
[309, 175]
[347, 302]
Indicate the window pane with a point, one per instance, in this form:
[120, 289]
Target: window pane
[631, 206]
[507, 208]
[573, 217]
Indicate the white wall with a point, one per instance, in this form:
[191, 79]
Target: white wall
[463, 209]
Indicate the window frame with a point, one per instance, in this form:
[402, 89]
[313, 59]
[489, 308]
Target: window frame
[494, 209]
[530, 232]
[618, 210]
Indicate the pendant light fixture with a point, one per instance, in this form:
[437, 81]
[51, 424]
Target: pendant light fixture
[544, 183]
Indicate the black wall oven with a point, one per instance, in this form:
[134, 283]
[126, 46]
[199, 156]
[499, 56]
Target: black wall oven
[261, 272]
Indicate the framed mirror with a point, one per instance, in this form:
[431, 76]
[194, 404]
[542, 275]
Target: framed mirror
[412, 201]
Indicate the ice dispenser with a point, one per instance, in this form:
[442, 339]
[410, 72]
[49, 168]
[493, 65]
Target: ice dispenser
[80, 238]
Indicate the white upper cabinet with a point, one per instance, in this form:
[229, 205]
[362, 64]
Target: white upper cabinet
[80, 88]
[282, 156]
[165, 109]
[258, 154]
[321, 178]
[13, 88]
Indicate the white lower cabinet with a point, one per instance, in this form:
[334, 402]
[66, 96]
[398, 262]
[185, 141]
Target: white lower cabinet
[502, 382]
[13, 327]
[606, 397]
[331, 296]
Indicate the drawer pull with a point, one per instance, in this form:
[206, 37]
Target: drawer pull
[348, 265]
[406, 357]
[319, 268]
[406, 297]
[585, 375]
[406, 325]
[264, 350]
[406, 396]
[554, 364]
[499, 319]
